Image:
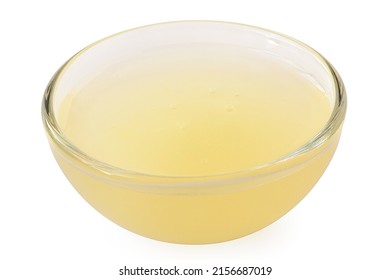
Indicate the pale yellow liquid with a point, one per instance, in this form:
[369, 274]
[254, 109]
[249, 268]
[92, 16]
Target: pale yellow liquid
[195, 111]
[192, 111]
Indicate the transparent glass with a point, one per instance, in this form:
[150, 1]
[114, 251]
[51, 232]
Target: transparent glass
[205, 208]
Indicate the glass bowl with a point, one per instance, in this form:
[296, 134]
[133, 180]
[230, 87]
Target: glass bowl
[192, 208]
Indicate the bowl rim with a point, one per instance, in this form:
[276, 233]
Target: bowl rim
[329, 129]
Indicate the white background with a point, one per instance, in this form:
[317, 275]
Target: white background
[339, 231]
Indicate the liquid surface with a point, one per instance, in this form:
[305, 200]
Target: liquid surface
[193, 111]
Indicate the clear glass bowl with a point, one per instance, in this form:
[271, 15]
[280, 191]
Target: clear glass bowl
[194, 209]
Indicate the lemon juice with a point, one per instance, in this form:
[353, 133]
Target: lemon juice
[194, 111]
[174, 118]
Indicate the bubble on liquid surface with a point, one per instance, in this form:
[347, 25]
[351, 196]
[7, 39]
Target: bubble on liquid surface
[212, 90]
[182, 126]
[229, 108]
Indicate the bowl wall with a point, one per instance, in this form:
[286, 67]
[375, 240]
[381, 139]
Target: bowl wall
[193, 215]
